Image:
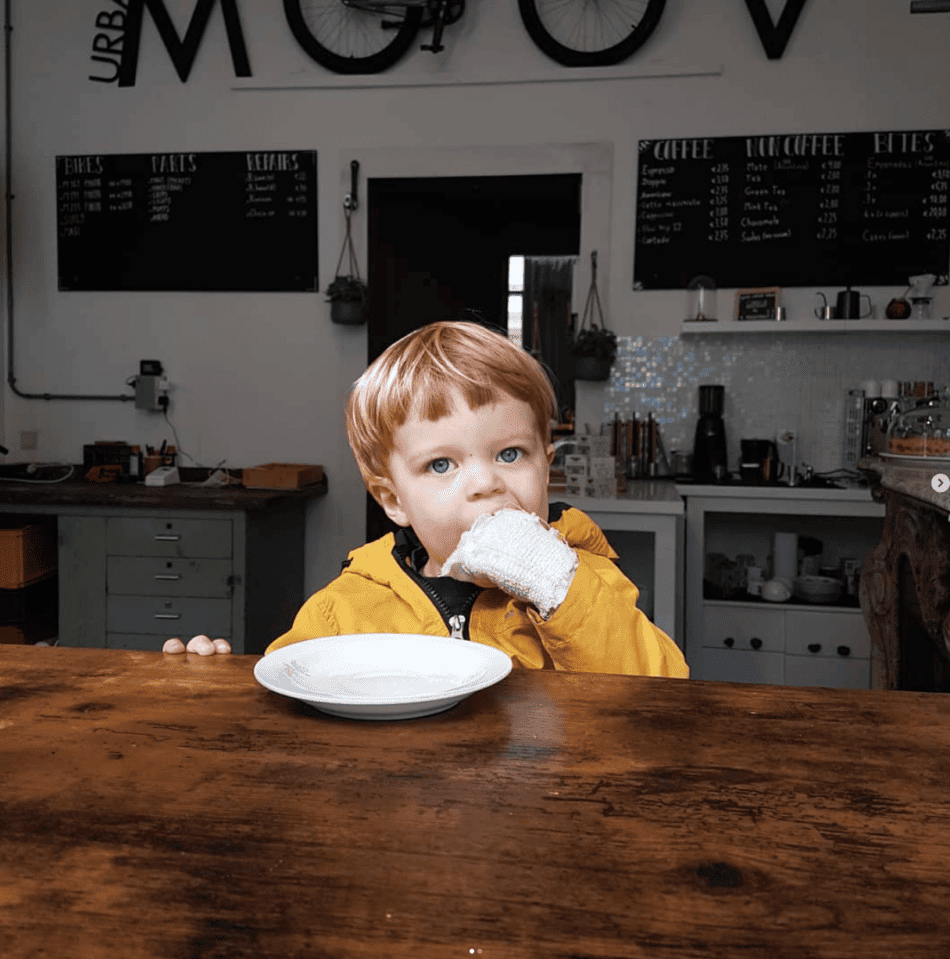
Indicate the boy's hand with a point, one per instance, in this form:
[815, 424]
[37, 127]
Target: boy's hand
[199, 644]
[515, 551]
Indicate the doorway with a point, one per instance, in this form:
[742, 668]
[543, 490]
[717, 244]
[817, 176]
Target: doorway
[440, 246]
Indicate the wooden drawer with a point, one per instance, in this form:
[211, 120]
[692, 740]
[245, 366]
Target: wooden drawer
[759, 630]
[155, 576]
[167, 616]
[837, 673]
[743, 666]
[814, 633]
[164, 536]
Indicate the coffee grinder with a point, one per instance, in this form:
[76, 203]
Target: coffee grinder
[709, 450]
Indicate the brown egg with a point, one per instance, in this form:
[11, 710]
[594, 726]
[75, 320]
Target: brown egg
[173, 646]
[201, 645]
[222, 646]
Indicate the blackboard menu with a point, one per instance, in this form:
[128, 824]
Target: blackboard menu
[793, 209]
[236, 221]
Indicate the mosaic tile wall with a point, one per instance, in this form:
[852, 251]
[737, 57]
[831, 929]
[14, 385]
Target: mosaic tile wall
[773, 382]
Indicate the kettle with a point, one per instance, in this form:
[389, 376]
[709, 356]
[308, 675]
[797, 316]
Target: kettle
[825, 312]
[849, 305]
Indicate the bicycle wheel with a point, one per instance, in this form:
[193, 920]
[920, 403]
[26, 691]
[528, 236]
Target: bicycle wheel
[590, 33]
[345, 38]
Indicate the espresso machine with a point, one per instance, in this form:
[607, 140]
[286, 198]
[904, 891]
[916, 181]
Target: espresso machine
[709, 450]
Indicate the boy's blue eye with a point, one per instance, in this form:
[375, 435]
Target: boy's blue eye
[441, 465]
[510, 455]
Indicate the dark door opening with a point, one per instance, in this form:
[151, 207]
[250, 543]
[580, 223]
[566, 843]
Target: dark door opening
[440, 245]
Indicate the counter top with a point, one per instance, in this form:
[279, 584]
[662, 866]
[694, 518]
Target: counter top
[158, 806]
[911, 480]
[77, 491]
[734, 490]
[642, 496]
[666, 496]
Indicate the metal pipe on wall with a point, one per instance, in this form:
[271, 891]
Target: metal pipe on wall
[8, 85]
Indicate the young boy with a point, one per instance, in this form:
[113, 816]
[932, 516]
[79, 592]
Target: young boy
[450, 428]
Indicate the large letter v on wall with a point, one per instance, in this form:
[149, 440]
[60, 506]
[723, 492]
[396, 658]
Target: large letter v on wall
[774, 38]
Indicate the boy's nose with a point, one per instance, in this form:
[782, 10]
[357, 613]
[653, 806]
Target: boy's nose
[484, 480]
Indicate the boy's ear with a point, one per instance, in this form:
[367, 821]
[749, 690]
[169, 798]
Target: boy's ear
[549, 453]
[383, 491]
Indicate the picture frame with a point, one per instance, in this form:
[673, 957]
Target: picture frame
[758, 303]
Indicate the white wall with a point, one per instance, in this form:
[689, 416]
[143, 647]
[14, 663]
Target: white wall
[260, 377]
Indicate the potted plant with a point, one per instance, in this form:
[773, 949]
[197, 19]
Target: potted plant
[594, 347]
[348, 296]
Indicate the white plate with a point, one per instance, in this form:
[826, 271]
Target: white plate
[382, 675]
[917, 460]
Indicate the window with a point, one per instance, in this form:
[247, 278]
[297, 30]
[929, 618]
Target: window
[515, 298]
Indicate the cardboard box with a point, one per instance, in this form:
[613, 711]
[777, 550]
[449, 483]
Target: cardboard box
[27, 549]
[281, 476]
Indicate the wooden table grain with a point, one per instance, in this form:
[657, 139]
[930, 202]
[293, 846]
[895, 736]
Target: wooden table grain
[158, 806]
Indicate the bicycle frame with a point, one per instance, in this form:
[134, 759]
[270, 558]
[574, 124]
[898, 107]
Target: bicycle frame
[438, 9]
[383, 6]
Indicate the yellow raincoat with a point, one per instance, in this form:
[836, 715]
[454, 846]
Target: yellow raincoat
[597, 628]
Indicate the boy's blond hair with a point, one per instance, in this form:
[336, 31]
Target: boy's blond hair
[418, 374]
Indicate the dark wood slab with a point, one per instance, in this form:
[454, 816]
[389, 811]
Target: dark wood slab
[77, 491]
[169, 806]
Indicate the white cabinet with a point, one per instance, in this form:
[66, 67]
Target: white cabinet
[782, 643]
[785, 646]
[655, 511]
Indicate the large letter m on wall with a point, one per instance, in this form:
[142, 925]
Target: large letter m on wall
[182, 52]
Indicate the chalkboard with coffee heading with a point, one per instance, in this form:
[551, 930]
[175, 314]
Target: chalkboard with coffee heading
[230, 221]
[804, 209]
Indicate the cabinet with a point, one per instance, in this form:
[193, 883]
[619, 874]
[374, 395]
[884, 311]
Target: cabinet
[167, 574]
[130, 581]
[159, 562]
[788, 644]
[785, 646]
[646, 527]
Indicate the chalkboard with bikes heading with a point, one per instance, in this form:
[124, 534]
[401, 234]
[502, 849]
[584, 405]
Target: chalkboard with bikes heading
[229, 221]
[802, 209]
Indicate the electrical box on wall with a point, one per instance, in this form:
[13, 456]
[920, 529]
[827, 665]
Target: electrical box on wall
[151, 387]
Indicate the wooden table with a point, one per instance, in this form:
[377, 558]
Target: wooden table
[158, 806]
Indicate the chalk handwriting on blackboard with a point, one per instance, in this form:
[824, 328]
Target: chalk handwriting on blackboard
[188, 221]
[797, 209]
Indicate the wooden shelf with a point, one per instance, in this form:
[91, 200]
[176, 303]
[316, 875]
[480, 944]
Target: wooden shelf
[819, 326]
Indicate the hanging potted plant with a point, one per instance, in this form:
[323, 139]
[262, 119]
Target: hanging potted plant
[595, 350]
[594, 347]
[348, 294]
[348, 297]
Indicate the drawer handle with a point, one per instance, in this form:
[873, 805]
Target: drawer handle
[755, 642]
[729, 641]
[814, 647]
[167, 539]
[167, 615]
[169, 576]
[844, 650]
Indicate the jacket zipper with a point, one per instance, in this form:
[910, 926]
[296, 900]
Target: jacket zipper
[457, 624]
